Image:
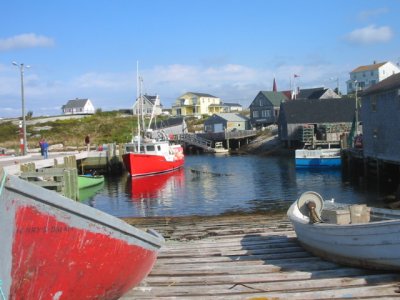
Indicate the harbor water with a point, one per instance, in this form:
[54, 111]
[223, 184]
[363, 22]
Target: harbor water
[221, 184]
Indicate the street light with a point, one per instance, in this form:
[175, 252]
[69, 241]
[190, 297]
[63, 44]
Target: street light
[21, 68]
[356, 111]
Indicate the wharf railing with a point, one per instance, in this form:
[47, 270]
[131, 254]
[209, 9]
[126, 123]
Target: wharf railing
[62, 178]
[194, 139]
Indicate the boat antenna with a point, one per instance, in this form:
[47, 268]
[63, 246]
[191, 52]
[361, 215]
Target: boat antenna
[139, 103]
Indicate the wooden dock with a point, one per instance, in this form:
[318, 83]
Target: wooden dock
[254, 256]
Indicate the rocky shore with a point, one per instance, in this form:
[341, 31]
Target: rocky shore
[265, 144]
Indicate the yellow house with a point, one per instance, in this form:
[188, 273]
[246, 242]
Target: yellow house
[196, 104]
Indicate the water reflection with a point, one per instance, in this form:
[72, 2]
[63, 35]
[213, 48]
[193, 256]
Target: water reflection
[210, 185]
[90, 192]
[154, 187]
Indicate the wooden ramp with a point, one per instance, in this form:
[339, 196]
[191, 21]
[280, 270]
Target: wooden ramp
[249, 257]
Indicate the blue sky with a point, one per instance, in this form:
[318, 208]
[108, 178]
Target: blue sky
[228, 48]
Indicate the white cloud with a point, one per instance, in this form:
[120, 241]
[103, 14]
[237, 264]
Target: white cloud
[370, 35]
[113, 90]
[26, 40]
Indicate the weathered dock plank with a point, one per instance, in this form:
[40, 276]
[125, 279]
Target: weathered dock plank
[249, 257]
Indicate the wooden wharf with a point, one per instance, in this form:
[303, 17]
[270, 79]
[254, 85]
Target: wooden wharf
[60, 171]
[253, 256]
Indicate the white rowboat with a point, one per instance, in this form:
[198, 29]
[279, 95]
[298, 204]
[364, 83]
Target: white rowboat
[360, 236]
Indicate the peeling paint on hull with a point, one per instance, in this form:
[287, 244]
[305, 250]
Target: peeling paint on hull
[55, 248]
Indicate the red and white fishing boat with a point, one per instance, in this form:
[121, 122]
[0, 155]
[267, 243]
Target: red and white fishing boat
[146, 155]
[152, 156]
[55, 248]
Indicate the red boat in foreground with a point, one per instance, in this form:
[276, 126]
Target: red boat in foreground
[55, 248]
[151, 156]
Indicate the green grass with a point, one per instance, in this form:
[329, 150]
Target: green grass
[103, 127]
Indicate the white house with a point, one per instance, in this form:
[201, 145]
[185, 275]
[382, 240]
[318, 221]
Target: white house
[366, 76]
[78, 106]
[147, 104]
[231, 107]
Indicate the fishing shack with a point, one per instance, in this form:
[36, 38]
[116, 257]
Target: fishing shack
[316, 122]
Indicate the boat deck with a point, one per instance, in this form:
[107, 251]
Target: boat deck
[253, 256]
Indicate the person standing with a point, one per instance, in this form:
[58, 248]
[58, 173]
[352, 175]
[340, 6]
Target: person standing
[87, 142]
[41, 146]
[44, 147]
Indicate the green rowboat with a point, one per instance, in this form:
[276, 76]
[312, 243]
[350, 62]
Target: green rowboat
[85, 181]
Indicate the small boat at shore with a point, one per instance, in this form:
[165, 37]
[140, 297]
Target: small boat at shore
[312, 158]
[55, 248]
[219, 148]
[85, 181]
[354, 235]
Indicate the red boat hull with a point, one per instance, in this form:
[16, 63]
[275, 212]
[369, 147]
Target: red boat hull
[138, 164]
[60, 249]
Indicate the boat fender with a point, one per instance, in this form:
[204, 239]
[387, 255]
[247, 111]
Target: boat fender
[314, 218]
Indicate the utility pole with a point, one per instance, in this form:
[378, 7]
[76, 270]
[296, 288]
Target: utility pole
[24, 143]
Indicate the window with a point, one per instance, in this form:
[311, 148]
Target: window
[150, 148]
[255, 114]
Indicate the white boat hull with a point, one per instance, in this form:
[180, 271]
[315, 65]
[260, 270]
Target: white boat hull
[371, 245]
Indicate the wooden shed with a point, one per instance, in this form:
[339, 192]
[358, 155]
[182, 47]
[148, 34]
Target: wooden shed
[305, 121]
[226, 122]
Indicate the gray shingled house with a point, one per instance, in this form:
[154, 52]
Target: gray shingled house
[170, 126]
[264, 110]
[147, 105]
[322, 119]
[380, 111]
[317, 93]
[226, 122]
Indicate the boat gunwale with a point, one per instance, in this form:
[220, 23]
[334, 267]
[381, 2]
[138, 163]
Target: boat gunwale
[19, 186]
[378, 223]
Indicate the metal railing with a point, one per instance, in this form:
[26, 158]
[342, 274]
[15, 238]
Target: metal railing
[192, 138]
